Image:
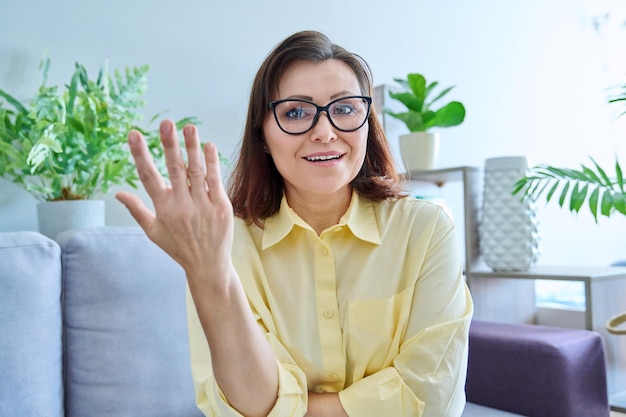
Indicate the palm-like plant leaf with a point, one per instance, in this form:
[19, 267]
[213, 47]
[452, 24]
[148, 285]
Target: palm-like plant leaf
[604, 195]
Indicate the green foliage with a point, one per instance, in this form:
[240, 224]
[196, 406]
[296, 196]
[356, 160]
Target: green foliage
[619, 97]
[420, 116]
[604, 195]
[71, 143]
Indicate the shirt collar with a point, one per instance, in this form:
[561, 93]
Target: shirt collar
[360, 218]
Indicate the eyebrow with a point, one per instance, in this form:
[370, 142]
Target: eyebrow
[309, 98]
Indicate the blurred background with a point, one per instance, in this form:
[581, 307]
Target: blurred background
[533, 75]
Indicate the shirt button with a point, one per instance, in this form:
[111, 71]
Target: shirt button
[333, 377]
[329, 313]
[324, 251]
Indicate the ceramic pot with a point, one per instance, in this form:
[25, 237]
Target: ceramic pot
[419, 150]
[508, 228]
[58, 216]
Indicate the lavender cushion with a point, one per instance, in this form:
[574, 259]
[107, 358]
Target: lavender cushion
[537, 371]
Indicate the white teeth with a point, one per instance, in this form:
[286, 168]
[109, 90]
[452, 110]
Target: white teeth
[322, 158]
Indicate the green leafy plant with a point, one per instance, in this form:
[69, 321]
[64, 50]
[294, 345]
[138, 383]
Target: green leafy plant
[71, 143]
[573, 187]
[420, 115]
[604, 194]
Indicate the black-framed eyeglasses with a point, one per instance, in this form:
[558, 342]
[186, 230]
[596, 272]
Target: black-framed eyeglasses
[297, 116]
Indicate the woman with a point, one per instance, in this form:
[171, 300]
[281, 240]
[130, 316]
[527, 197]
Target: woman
[327, 293]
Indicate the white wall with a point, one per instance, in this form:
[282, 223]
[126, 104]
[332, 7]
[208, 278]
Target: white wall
[531, 73]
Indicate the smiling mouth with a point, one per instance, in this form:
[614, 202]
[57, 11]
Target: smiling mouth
[323, 158]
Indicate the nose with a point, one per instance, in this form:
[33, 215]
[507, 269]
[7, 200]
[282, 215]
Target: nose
[323, 130]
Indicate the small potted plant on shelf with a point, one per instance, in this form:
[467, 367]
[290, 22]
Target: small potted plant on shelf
[70, 143]
[420, 147]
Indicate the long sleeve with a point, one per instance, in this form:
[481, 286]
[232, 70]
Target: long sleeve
[292, 394]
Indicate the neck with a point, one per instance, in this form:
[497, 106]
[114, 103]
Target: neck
[320, 211]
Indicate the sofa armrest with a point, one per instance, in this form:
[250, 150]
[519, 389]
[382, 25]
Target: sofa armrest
[30, 326]
[537, 370]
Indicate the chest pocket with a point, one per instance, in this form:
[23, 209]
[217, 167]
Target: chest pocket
[376, 329]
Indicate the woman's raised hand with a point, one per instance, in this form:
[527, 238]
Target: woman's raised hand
[193, 219]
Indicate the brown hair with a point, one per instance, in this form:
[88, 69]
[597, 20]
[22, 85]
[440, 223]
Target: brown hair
[256, 186]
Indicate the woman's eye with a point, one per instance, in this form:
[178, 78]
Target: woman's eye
[296, 113]
[344, 109]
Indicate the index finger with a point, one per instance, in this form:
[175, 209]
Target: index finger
[148, 173]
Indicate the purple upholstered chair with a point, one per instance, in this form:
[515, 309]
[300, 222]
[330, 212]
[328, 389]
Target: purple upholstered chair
[537, 371]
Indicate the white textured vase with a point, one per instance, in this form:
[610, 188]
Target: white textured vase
[509, 239]
[58, 216]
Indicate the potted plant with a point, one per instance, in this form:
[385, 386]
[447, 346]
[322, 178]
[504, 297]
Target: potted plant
[420, 147]
[70, 143]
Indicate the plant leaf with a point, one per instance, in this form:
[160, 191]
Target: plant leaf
[607, 181]
[552, 191]
[440, 95]
[413, 120]
[620, 177]
[564, 194]
[619, 202]
[12, 101]
[72, 93]
[577, 198]
[452, 114]
[607, 204]
[417, 84]
[593, 203]
[409, 100]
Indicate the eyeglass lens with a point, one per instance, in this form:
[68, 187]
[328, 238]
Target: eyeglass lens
[298, 116]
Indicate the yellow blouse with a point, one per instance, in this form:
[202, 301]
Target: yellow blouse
[374, 308]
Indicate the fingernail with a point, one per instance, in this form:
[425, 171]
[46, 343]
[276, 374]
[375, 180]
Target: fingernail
[133, 137]
[188, 129]
[166, 127]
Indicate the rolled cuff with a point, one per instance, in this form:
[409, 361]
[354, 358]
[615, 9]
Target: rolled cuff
[381, 394]
[291, 401]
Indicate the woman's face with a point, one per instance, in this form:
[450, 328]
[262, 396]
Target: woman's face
[324, 160]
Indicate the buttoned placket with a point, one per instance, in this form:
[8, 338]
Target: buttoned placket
[330, 331]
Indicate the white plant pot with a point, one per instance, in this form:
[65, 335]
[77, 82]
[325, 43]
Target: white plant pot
[419, 150]
[58, 216]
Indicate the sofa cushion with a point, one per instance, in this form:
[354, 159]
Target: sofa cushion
[30, 326]
[537, 371]
[126, 344]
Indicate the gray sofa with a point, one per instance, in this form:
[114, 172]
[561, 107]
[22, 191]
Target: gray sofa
[94, 324]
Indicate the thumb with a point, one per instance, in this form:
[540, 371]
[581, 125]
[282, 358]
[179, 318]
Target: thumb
[137, 208]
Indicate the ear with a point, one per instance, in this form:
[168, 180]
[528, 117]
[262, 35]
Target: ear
[265, 148]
